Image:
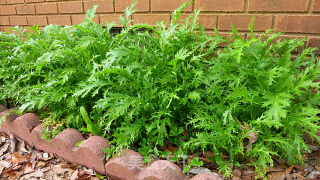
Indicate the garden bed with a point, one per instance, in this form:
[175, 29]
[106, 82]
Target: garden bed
[245, 99]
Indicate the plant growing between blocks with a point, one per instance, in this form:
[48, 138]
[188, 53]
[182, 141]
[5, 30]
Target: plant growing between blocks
[169, 84]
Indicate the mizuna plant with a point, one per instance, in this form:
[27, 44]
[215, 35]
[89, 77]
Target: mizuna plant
[168, 84]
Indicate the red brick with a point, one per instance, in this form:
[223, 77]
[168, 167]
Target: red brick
[70, 7]
[121, 5]
[278, 5]
[33, 1]
[207, 21]
[61, 20]
[301, 24]
[4, 20]
[150, 19]
[25, 9]
[3, 2]
[316, 6]
[77, 19]
[15, 1]
[168, 5]
[314, 42]
[46, 8]
[9, 30]
[103, 5]
[220, 5]
[37, 20]
[110, 18]
[241, 22]
[18, 20]
[7, 10]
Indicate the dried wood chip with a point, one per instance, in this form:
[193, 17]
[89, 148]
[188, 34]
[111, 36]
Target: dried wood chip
[253, 137]
[274, 170]
[28, 169]
[41, 164]
[288, 171]
[1, 169]
[277, 175]
[298, 176]
[4, 148]
[12, 143]
[74, 175]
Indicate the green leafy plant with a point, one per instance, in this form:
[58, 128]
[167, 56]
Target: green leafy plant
[169, 84]
[94, 129]
[195, 162]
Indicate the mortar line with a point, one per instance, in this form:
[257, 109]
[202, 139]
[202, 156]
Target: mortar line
[246, 4]
[310, 6]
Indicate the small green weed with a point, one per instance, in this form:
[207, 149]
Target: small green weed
[168, 84]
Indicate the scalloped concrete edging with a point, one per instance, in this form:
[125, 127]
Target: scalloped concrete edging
[90, 153]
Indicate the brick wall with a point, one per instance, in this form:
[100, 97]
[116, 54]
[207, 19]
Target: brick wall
[297, 18]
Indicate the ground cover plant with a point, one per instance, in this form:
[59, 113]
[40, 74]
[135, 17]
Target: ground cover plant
[169, 84]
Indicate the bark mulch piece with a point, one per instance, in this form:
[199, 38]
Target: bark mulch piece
[20, 161]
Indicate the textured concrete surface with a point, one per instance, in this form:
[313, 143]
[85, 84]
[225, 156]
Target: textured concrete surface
[126, 166]
[24, 125]
[91, 153]
[206, 176]
[160, 170]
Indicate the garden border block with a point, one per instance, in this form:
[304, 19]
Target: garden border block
[24, 125]
[90, 153]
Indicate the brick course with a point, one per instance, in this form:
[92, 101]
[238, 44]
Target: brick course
[220, 5]
[316, 6]
[37, 20]
[70, 7]
[298, 24]
[296, 18]
[15, 1]
[18, 20]
[110, 18]
[150, 19]
[240, 22]
[47, 8]
[167, 5]
[77, 19]
[103, 5]
[7, 10]
[33, 1]
[278, 5]
[3, 2]
[121, 5]
[4, 20]
[59, 19]
[25, 9]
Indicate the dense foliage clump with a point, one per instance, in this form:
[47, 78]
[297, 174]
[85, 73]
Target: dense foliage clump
[151, 86]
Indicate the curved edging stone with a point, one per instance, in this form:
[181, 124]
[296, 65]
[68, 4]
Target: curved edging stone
[90, 153]
[40, 143]
[160, 170]
[2, 108]
[24, 125]
[126, 166]
[206, 176]
[9, 116]
[64, 143]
